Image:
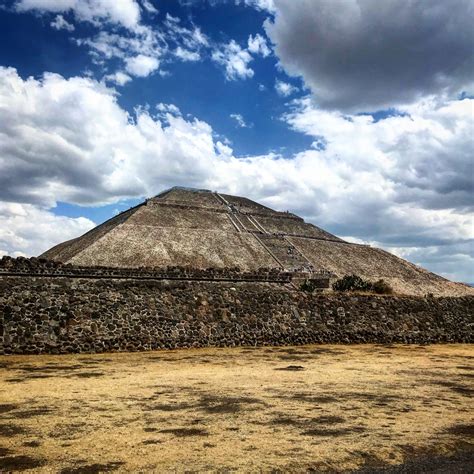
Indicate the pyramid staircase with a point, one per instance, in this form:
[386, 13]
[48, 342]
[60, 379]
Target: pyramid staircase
[287, 256]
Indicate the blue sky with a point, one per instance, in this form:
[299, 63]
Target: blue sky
[349, 113]
[32, 47]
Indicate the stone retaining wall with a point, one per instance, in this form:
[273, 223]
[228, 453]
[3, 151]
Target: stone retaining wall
[63, 315]
[37, 266]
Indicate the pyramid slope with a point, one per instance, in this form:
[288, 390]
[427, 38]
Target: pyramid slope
[372, 264]
[152, 246]
[66, 251]
[203, 229]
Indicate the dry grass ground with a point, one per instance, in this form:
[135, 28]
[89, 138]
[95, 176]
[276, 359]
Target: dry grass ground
[292, 409]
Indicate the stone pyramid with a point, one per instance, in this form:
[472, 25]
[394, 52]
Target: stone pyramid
[202, 229]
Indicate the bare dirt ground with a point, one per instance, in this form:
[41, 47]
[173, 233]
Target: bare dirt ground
[288, 409]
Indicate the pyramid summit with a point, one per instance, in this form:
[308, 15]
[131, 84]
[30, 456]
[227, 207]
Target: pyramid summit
[201, 228]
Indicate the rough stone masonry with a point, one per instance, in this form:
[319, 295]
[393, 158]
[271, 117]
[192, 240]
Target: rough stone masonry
[66, 315]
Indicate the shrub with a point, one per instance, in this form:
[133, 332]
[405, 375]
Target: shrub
[352, 283]
[382, 287]
[308, 286]
[356, 283]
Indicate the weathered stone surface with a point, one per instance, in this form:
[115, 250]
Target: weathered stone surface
[203, 229]
[61, 315]
[40, 266]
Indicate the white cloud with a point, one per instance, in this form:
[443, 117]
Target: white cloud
[240, 121]
[105, 46]
[189, 41]
[69, 140]
[119, 78]
[123, 12]
[258, 45]
[143, 50]
[235, 61]
[425, 155]
[223, 149]
[365, 55]
[28, 230]
[149, 7]
[266, 5]
[143, 42]
[192, 38]
[141, 65]
[186, 55]
[167, 109]
[59, 23]
[284, 88]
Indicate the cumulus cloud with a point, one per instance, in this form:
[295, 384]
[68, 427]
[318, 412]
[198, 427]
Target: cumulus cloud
[69, 140]
[167, 109]
[124, 12]
[284, 89]
[141, 65]
[235, 61]
[60, 23]
[28, 230]
[258, 45]
[424, 155]
[119, 78]
[365, 55]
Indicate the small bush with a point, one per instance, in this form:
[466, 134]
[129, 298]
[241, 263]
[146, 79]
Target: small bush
[356, 283]
[352, 283]
[381, 287]
[308, 286]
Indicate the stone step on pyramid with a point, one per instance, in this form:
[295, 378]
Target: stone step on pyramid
[285, 252]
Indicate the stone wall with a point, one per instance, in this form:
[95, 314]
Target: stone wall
[61, 315]
[38, 266]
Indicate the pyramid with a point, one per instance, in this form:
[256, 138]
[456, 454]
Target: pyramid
[203, 229]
